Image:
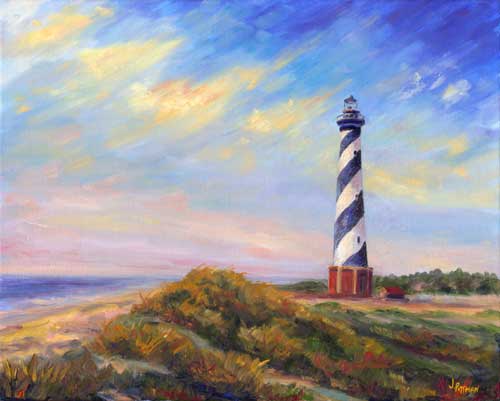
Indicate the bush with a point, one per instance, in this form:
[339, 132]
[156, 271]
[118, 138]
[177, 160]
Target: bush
[138, 337]
[216, 328]
[216, 303]
[74, 377]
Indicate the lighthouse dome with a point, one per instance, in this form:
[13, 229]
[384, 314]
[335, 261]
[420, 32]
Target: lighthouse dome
[350, 103]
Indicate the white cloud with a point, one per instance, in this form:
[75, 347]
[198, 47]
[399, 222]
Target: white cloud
[17, 15]
[416, 85]
[438, 82]
[488, 114]
[456, 92]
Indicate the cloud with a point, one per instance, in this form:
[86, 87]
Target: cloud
[284, 116]
[90, 228]
[58, 27]
[385, 182]
[458, 145]
[237, 156]
[87, 226]
[394, 82]
[98, 74]
[488, 113]
[122, 59]
[456, 92]
[104, 11]
[23, 109]
[454, 146]
[438, 82]
[190, 106]
[48, 154]
[178, 98]
[80, 163]
[415, 86]
[439, 183]
[195, 105]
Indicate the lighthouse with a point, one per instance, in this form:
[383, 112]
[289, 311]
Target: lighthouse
[350, 274]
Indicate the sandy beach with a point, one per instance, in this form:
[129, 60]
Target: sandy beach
[55, 329]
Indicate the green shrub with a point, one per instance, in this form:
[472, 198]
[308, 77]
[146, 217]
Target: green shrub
[217, 328]
[75, 377]
[138, 337]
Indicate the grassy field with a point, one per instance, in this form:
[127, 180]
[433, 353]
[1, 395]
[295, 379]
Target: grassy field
[215, 335]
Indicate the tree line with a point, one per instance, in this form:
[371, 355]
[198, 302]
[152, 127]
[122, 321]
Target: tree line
[436, 281]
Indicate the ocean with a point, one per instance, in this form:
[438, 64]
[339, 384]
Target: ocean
[19, 293]
[27, 292]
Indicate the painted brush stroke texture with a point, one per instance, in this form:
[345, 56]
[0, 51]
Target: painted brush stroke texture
[150, 136]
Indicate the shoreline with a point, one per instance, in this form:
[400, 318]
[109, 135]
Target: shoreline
[56, 329]
[19, 316]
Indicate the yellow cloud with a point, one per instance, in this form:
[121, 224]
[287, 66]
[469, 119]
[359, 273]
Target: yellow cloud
[190, 106]
[284, 116]
[385, 182]
[205, 102]
[458, 145]
[23, 109]
[461, 172]
[226, 153]
[237, 155]
[251, 76]
[457, 91]
[59, 27]
[437, 184]
[105, 223]
[80, 163]
[104, 11]
[257, 122]
[121, 59]
[453, 146]
[176, 99]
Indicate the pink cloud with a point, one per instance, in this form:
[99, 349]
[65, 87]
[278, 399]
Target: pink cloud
[94, 226]
[98, 229]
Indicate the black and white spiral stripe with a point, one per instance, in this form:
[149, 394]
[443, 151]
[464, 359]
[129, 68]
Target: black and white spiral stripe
[350, 234]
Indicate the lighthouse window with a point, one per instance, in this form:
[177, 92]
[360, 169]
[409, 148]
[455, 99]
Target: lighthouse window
[359, 239]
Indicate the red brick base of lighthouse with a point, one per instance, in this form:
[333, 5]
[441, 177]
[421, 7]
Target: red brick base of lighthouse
[350, 281]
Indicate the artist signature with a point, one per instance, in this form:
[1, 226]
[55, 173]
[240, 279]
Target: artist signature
[451, 389]
[462, 388]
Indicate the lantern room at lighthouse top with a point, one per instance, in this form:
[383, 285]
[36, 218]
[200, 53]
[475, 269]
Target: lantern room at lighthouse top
[351, 116]
[350, 104]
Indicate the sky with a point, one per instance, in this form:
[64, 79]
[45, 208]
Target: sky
[146, 138]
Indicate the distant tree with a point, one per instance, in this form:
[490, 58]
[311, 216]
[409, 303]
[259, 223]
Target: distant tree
[442, 284]
[436, 281]
[461, 281]
[489, 284]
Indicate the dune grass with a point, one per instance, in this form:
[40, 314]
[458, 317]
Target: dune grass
[75, 376]
[215, 333]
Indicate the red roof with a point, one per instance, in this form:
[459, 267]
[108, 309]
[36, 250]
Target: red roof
[395, 290]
